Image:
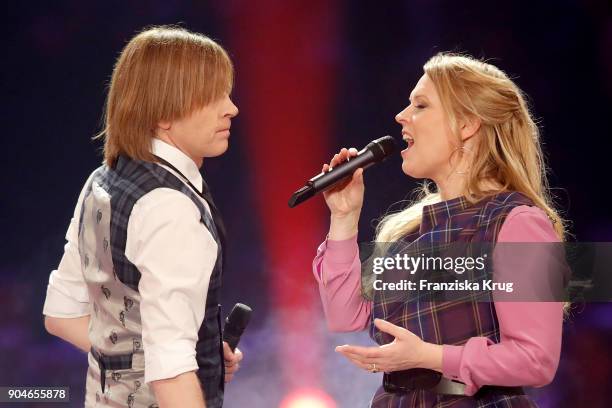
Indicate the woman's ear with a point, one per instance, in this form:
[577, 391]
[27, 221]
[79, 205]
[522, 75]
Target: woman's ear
[469, 126]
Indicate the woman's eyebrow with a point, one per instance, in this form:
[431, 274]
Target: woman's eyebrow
[416, 96]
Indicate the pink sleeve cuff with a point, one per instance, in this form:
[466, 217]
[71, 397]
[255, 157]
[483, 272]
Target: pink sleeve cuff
[451, 361]
[463, 363]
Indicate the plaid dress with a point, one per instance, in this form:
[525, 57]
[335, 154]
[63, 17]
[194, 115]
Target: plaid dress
[448, 322]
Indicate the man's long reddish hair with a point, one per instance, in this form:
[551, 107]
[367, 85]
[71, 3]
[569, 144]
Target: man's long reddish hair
[164, 73]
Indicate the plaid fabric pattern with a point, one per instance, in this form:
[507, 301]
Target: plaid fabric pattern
[424, 399]
[448, 322]
[126, 183]
[120, 362]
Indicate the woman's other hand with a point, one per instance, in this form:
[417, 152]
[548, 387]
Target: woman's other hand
[405, 352]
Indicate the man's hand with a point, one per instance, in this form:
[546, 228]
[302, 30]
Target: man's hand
[232, 361]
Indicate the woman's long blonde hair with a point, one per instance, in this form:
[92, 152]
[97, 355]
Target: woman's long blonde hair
[508, 151]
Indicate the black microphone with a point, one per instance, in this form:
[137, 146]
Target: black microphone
[235, 324]
[375, 152]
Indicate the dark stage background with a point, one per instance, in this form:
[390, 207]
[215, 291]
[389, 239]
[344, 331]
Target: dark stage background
[311, 76]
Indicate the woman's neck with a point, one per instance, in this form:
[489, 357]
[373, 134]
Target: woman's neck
[454, 186]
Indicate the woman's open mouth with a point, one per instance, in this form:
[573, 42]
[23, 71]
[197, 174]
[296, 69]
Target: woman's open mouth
[408, 139]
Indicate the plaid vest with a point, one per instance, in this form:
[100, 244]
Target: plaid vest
[447, 322]
[115, 328]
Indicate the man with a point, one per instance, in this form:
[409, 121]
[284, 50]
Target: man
[139, 282]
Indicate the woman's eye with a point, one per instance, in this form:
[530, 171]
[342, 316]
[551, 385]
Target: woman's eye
[420, 106]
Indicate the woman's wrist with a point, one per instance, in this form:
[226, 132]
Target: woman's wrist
[431, 356]
[343, 226]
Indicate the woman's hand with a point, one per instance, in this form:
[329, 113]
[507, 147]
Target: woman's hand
[345, 199]
[405, 352]
[232, 361]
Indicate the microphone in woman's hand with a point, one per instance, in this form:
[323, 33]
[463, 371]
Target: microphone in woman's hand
[375, 152]
[235, 324]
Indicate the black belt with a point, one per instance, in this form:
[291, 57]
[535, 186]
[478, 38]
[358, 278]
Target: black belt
[489, 390]
[400, 382]
[450, 387]
[114, 362]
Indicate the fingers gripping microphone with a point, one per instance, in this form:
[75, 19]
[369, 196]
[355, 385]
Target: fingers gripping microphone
[235, 324]
[375, 152]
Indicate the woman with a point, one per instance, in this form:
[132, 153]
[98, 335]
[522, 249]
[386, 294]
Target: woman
[139, 283]
[469, 130]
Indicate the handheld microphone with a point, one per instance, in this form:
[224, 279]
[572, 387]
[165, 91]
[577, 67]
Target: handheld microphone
[235, 324]
[376, 151]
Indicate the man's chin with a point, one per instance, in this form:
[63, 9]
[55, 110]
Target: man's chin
[219, 148]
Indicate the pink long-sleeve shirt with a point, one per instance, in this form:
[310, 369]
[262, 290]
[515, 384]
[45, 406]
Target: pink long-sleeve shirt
[530, 332]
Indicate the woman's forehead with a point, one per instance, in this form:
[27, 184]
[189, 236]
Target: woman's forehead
[424, 87]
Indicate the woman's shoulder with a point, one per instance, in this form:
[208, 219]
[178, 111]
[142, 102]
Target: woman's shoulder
[527, 223]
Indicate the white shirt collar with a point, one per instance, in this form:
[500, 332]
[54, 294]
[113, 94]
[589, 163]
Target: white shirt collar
[179, 160]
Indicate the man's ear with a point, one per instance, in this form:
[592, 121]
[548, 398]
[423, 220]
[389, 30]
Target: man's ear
[469, 126]
[165, 125]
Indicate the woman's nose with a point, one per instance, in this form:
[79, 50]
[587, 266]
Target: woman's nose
[402, 116]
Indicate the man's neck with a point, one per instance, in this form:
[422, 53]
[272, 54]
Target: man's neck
[199, 161]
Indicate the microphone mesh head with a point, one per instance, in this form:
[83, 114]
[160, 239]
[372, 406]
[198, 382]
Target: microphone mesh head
[383, 147]
[239, 316]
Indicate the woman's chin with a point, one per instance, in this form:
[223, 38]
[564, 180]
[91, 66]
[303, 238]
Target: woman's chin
[410, 171]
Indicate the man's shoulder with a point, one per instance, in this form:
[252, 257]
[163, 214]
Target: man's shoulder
[162, 199]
